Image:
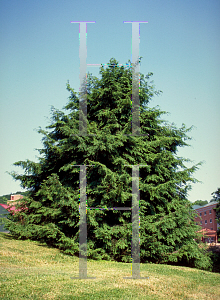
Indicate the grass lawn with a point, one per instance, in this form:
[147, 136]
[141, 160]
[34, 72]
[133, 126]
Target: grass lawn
[31, 270]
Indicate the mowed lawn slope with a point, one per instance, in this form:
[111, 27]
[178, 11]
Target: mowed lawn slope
[32, 270]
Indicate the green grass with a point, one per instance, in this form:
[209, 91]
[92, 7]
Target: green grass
[32, 270]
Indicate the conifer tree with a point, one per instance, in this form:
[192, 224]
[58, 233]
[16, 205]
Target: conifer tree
[167, 228]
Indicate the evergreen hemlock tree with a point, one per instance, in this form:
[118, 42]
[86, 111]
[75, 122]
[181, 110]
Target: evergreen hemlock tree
[167, 228]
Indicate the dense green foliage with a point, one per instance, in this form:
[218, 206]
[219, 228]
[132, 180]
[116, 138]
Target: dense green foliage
[5, 198]
[167, 228]
[216, 195]
[216, 198]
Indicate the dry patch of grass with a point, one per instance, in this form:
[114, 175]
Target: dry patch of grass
[31, 270]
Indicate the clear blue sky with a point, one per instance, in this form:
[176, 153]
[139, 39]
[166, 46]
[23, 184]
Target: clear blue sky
[180, 44]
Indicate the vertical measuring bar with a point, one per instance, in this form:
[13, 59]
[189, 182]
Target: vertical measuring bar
[135, 243]
[82, 78]
[135, 77]
[135, 250]
[82, 227]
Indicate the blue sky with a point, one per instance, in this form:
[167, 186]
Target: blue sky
[180, 44]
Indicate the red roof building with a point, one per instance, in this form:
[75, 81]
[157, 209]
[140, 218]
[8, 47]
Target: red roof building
[208, 235]
[9, 206]
[206, 218]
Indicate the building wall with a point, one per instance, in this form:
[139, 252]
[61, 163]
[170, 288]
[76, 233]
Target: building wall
[14, 198]
[208, 216]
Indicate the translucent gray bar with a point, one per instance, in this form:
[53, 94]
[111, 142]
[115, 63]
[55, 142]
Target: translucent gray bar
[135, 79]
[135, 243]
[135, 250]
[82, 227]
[82, 78]
[135, 169]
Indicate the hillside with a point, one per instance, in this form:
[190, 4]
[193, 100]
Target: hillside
[30, 270]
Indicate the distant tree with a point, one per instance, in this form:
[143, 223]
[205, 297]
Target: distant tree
[5, 198]
[200, 202]
[212, 200]
[216, 198]
[167, 228]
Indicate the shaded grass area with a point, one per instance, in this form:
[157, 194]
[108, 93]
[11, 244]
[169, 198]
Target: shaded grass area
[32, 270]
[214, 251]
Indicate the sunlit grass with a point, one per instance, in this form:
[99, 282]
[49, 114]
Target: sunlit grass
[31, 270]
